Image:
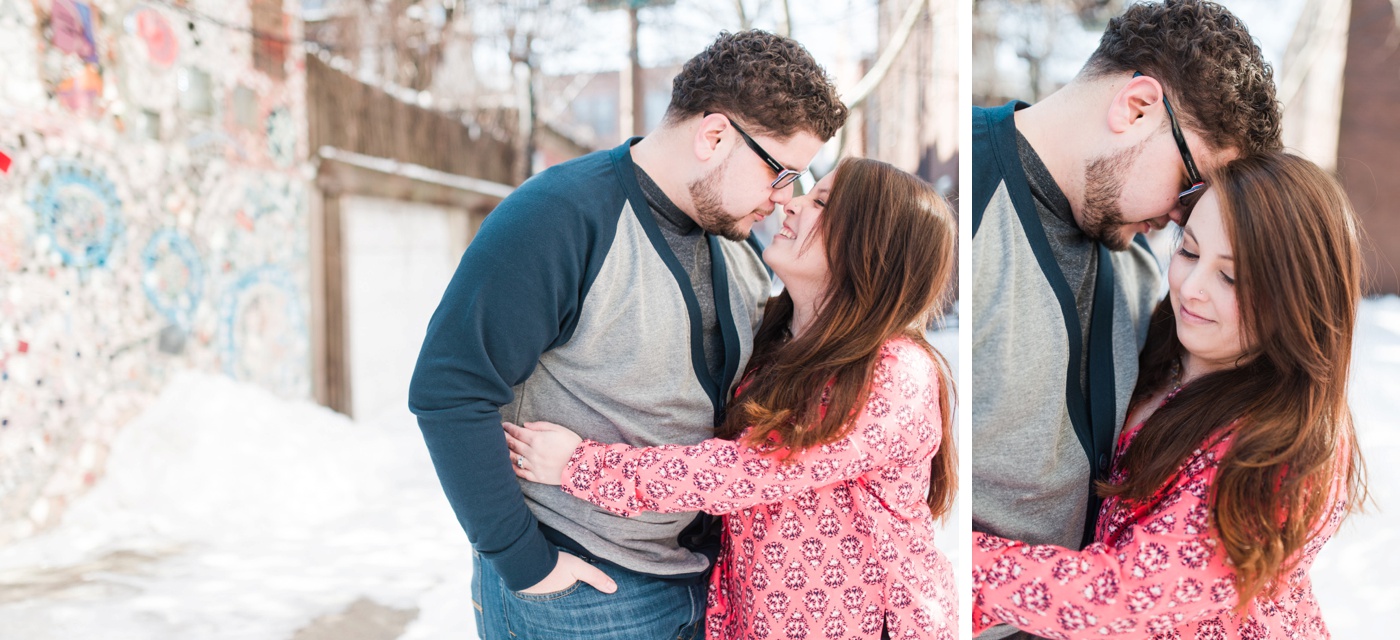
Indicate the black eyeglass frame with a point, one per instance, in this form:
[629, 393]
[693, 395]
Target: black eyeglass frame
[1188, 197]
[785, 177]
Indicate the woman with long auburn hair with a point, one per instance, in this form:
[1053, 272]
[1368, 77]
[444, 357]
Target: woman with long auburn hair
[834, 458]
[1241, 459]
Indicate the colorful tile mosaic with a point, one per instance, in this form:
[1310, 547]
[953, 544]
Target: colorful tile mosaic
[153, 218]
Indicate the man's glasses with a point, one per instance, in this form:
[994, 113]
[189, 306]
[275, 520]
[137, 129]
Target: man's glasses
[785, 177]
[1192, 193]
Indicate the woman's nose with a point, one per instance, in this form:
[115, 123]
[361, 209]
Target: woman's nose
[1192, 286]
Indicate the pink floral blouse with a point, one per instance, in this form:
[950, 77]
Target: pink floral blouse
[833, 542]
[1155, 571]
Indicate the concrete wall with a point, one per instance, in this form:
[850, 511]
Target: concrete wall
[154, 219]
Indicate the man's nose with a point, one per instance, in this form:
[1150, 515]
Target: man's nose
[781, 196]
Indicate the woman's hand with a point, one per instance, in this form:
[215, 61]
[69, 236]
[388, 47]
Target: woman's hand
[540, 450]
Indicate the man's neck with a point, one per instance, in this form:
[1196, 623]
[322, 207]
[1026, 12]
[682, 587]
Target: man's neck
[656, 154]
[1053, 127]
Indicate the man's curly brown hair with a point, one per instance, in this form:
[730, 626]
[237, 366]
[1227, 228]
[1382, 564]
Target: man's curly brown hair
[769, 83]
[1212, 70]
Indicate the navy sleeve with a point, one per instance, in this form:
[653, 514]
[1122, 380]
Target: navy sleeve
[515, 295]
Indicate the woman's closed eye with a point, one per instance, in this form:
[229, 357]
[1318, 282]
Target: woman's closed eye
[1230, 280]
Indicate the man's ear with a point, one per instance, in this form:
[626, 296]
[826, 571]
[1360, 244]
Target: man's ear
[1138, 103]
[708, 140]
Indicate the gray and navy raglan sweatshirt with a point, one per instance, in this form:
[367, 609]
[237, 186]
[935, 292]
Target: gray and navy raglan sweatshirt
[1057, 325]
[569, 306]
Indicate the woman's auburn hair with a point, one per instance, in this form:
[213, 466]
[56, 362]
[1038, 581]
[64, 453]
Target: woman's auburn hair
[1295, 242]
[890, 249]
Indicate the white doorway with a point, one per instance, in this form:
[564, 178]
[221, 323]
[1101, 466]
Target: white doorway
[398, 258]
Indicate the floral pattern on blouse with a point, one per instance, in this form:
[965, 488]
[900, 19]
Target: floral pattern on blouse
[1156, 570]
[832, 542]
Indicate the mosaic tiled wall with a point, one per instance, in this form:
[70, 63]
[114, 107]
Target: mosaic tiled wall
[153, 218]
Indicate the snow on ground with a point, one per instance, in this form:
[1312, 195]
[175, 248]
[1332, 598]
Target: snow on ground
[229, 513]
[946, 538]
[1357, 574]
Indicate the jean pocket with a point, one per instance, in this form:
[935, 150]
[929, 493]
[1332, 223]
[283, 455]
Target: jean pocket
[552, 595]
[476, 581]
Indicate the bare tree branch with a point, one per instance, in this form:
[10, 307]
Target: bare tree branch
[872, 78]
[744, 22]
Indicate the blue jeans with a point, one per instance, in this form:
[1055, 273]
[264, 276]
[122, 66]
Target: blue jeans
[643, 608]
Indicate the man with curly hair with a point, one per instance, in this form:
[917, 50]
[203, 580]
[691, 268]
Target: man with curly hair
[616, 293]
[1063, 279]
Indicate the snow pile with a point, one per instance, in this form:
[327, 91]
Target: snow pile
[1357, 575]
[229, 513]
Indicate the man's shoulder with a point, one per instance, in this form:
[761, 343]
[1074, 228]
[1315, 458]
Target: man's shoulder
[744, 261]
[568, 203]
[1138, 271]
[589, 182]
[569, 212]
[982, 125]
[1138, 258]
[989, 123]
[993, 151]
[750, 248]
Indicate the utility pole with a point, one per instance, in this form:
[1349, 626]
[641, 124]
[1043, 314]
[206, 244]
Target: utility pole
[631, 105]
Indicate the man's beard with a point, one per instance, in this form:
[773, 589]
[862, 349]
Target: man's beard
[1102, 220]
[709, 207]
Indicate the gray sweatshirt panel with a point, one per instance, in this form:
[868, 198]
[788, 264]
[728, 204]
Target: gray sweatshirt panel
[626, 375]
[689, 242]
[1030, 475]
